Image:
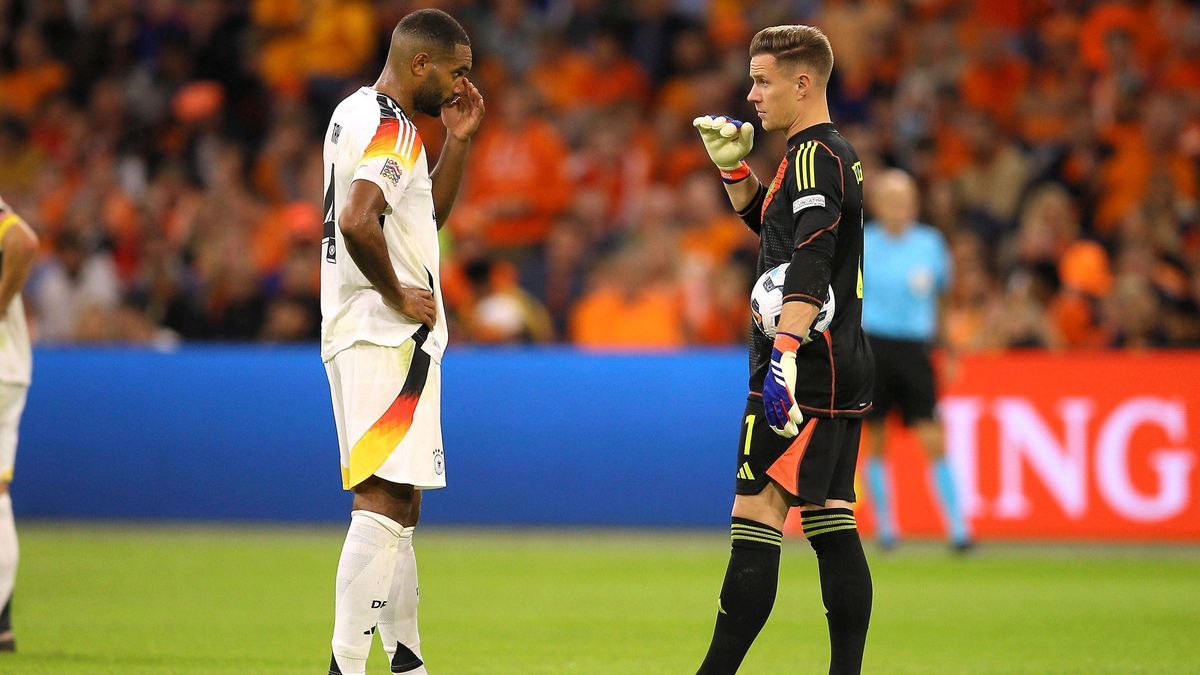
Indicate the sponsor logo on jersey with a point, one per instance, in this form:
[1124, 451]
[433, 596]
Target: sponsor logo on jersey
[807, 202]
[391, 171]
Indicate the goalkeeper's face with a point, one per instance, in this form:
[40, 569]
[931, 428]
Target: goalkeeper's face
[774, 91]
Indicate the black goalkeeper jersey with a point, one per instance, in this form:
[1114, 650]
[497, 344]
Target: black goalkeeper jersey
[811, 215]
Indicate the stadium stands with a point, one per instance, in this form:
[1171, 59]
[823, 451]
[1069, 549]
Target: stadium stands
[169, 155]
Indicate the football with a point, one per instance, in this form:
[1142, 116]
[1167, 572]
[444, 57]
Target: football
[766, 303]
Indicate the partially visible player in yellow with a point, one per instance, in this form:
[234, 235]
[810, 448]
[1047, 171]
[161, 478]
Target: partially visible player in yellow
[18, 248]
[383, 325]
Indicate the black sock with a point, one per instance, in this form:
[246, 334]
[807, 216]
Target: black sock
[845, 584]
[746, 596]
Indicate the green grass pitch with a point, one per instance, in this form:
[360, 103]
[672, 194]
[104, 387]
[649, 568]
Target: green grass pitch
[107, 599]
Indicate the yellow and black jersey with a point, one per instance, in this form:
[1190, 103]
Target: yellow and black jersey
[811, 215]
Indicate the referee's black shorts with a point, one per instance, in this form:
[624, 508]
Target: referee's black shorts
[903, 379]
[816, 465]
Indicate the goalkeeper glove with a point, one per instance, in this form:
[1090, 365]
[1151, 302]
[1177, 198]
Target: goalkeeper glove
[779, 404]
[727, 141]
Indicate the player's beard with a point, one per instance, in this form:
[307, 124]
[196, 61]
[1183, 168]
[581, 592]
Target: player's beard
[428, 100]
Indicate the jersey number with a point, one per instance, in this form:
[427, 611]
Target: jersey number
[328, 234]
[749, 434]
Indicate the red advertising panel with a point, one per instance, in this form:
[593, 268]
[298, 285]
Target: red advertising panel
[1102, 446]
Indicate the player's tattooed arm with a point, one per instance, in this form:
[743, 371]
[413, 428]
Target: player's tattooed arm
[359, 223]
[20, 246]
[462, 118]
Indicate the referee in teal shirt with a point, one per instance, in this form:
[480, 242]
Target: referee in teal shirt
[907, 269]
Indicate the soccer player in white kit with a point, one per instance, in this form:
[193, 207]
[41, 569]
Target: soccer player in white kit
[383, 327]
[18, 248]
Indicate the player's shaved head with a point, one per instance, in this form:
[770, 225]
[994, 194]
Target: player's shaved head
[804, 46]
[429, 55]
[427, 30]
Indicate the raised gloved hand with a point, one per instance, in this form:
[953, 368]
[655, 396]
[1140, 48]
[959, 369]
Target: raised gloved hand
[727, 141]
[779, 401]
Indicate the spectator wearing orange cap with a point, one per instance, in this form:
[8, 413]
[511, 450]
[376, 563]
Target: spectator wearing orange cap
[1086, 280]
[1124, 16]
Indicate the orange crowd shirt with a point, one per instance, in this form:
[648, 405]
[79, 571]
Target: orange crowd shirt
[517, 178]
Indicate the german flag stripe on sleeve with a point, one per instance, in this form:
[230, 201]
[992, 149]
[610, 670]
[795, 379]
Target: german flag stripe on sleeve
[396, 137]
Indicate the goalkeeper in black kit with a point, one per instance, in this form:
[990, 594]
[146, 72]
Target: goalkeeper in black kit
[809, 388]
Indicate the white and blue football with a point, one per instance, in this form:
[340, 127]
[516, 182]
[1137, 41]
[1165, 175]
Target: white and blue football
[766, 303]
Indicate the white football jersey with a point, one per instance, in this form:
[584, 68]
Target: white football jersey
[370, 138]
[16, 358]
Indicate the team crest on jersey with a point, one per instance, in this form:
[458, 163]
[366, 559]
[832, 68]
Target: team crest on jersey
[391, 171]
[775, 183]
[439, 461]
[337, 133]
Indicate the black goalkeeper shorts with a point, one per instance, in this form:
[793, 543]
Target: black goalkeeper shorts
[903, 379]
[816, 465]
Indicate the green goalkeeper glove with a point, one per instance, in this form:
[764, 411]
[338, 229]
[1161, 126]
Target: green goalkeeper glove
[727, 141]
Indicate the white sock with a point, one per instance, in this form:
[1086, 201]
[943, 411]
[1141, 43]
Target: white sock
[398, 622]
[8, 549]
[364, 577]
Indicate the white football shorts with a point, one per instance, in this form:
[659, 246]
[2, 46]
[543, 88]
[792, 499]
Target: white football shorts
[387, 406]
[12, 403]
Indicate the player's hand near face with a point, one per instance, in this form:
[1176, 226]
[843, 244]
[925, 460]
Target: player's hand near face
[417, 304]
[462, 116]
[727, 141]
[464, 113]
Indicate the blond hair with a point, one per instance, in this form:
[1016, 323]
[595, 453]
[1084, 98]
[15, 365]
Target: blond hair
[797, 45]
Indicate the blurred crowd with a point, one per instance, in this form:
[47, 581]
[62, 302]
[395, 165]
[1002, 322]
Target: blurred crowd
[169, 154]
